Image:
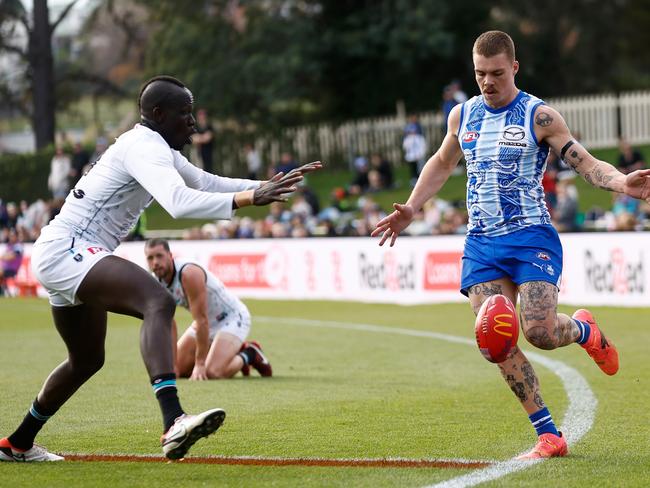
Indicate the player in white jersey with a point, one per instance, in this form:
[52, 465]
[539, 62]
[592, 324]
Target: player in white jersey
[214, 346]
[73, 259]
[511, 248]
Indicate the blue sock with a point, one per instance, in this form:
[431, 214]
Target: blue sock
[585, 331]
[543, 422]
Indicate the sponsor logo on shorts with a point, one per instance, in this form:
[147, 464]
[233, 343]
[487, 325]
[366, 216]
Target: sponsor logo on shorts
[546, 268]
[95, 249]
[543, 256]
[78, 258]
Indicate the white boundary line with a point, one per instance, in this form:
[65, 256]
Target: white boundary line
[578, 419]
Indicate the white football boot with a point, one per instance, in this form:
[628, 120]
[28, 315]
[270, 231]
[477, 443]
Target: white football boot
[188, 429]
[35, 454]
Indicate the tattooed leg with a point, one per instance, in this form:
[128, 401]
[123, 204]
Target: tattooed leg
[522, 380]
[541, 324]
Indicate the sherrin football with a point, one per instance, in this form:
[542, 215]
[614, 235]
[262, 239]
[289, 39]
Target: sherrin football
[497, 328]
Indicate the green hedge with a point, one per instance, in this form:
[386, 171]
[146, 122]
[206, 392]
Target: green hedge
[24, 176]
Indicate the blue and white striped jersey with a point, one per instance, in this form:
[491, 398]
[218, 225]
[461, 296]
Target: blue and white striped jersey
[505, 165]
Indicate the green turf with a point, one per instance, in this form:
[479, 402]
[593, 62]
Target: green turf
[336, 394]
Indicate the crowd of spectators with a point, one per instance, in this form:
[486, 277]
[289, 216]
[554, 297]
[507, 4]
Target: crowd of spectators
[352, 210]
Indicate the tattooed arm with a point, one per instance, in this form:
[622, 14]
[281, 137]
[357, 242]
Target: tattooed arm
[551, 128]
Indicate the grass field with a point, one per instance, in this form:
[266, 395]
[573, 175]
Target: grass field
[338, 392]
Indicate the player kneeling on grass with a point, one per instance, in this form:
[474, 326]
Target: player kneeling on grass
[74, 261]
[511, 248]
[214, 346]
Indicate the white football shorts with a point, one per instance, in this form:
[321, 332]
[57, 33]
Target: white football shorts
[62, 264]
[235, 323]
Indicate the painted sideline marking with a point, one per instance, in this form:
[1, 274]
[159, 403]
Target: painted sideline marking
[578, 419]
[279, 461]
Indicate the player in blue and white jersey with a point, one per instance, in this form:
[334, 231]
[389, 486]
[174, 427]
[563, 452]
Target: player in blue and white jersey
[511, 248]
[74, 261]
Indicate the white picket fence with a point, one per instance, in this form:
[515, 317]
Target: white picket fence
[594, 119]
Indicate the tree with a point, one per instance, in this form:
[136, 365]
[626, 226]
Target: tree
[38, 57]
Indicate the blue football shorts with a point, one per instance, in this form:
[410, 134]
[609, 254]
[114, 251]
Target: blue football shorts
[531, 254]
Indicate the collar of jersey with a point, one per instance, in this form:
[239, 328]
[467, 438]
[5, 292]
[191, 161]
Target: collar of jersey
[502, 109]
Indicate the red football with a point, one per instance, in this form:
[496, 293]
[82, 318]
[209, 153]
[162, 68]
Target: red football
[497, 328]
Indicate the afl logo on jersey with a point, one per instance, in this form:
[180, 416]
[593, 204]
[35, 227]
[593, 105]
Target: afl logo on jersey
[470, 136]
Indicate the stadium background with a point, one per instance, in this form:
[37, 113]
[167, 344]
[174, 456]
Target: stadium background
[341, 79]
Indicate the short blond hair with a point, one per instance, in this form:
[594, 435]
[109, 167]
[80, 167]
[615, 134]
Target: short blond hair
[492, 43]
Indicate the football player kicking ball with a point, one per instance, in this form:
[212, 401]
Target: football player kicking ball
[74, 261]
[511, 247]
[214, 346]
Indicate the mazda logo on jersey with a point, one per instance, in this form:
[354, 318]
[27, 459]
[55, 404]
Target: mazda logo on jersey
[513, 133]
[513, 136]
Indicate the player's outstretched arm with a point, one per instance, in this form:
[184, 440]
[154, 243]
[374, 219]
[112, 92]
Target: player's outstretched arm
[551, 128]
[435, 173]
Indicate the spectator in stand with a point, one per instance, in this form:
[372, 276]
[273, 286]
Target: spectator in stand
[278, 213]
[80, 158]
[360, 182]
[287, 163]
[458, 94]
[384, 168]
[566, 211]
[11, 259]
[13, 215]
[415, 151]
[33, 218]
[413, 123]
[310, 197]
[253, 162]
[629, 158]
[448, 103]
[204, 139]
[375, 182]
[60, 168]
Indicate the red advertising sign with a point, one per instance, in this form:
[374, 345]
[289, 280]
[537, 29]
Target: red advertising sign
[442, 271]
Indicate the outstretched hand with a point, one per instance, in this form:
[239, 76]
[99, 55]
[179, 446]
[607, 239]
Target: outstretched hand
[277, 188]
[637, 184]
[393, 224]
[307, 168]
